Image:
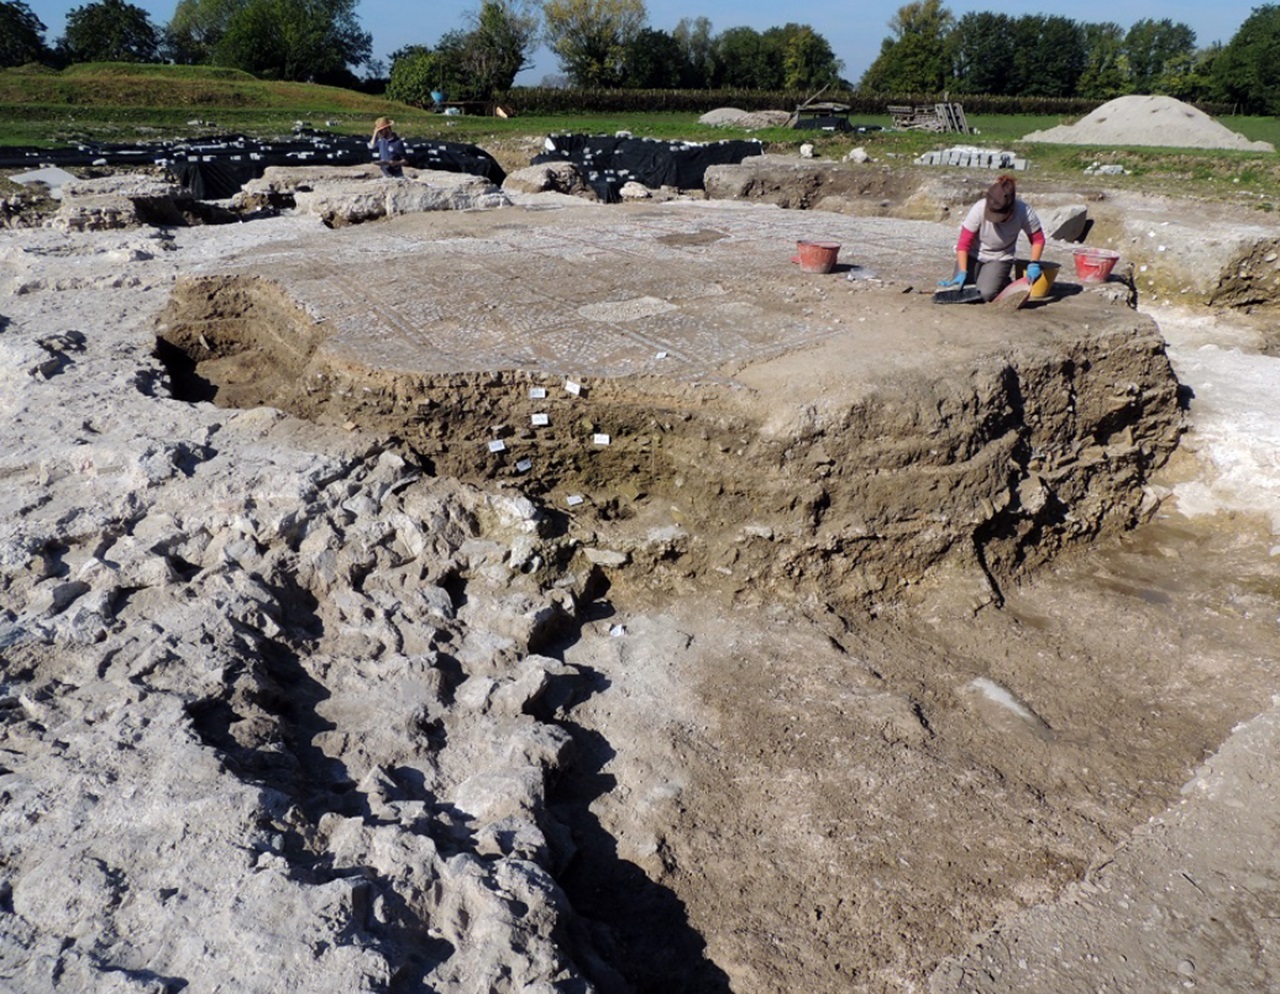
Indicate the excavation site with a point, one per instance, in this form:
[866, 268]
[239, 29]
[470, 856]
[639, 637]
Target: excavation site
[580, 598]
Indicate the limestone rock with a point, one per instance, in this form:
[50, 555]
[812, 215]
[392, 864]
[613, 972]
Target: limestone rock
[114, 202]
[345, 195]
[1065, 224]
[550, 177]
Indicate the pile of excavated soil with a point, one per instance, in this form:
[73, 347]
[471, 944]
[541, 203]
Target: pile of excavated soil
[1148, 120]
[732, 117]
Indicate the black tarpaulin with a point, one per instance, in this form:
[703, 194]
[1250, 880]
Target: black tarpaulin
[214, 168]
[611, 161]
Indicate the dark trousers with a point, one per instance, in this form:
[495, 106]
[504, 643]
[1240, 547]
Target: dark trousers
[990, 277]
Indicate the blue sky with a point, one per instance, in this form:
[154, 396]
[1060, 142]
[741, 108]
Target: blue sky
[854, 29]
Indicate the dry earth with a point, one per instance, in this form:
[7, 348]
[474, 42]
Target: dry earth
[284, 710]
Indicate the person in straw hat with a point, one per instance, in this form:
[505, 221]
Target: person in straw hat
[988, 237]
[392, 156]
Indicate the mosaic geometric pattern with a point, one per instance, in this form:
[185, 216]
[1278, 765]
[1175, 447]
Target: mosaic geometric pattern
[685, 289]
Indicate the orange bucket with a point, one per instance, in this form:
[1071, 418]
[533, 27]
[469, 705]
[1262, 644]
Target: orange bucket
[816, 257]
[1094, 265]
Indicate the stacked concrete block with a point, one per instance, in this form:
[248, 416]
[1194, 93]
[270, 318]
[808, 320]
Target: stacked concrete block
[972, 158]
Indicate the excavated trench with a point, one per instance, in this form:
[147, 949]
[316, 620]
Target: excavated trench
[992, 468]
[853, 842]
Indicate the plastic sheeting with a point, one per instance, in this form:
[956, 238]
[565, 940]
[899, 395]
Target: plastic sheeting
[216, 167]
[609, 162]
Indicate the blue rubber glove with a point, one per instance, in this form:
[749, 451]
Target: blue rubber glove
[957, 280]
[1033, 272]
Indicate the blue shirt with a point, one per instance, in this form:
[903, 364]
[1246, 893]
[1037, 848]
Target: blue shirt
[389, 149]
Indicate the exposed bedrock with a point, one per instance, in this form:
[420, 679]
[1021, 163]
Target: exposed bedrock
[285, 708]
[808, 472]
[256, 737]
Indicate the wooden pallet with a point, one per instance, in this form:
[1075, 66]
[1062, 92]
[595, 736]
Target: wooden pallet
[934, 117]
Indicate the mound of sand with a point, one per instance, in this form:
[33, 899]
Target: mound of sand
[1148, 120]
[732, 117]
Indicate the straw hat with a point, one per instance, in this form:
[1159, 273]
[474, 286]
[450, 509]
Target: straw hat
[383, 122]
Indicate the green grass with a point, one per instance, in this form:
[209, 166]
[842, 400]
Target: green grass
[1258, 129]
[124, 102]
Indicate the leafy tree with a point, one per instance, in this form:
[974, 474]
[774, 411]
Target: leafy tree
[499, 45]
[981, 50]
[1058, 59]
[746, 60]
[21, 35]
[109, 31]
[293, 39]
[1247, 71]
[808, 63]
[697, 49]
[591, 37]
[1151, 45]
[192, 35]
[655, 61]
[1106, 66]
[915, 61]
[468, 65]
[415, 71]
[1190, 77]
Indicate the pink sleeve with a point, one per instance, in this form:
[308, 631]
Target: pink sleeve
[966, 240]
[1037, 237]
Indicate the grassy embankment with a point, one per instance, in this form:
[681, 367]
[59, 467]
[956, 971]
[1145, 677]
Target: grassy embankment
[118, 102]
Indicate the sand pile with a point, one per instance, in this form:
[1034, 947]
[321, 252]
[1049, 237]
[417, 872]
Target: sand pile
[732, 117]
[1148, 120]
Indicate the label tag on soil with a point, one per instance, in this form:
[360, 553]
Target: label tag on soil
[524, 465]
[497, 445]
[573, 500]
[537, 393]
[540, 420]
[600, 439]
[573, 388]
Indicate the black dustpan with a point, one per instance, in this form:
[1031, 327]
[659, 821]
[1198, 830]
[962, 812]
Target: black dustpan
[963, 295]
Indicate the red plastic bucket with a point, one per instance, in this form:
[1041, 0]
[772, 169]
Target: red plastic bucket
[1094, 265]
[816, 257]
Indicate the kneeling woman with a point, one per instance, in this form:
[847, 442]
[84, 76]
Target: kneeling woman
[988, 237]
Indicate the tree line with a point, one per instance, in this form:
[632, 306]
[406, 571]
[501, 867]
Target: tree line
[1038, 55]
[609, 44]
[604, 44]
[312, 40]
